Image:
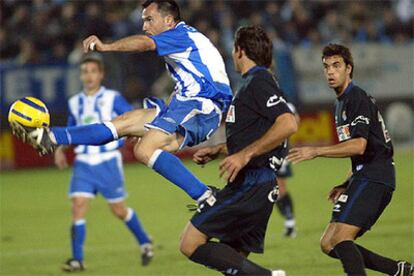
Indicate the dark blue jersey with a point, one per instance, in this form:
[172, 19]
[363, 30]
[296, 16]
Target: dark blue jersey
[253, 111]
[357, 115]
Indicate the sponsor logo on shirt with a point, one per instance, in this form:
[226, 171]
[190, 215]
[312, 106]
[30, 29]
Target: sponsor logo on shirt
[360, 119]
[343, 132]
[275, 100]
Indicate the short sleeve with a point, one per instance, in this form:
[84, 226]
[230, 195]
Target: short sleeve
[121, 105]
[268, 98]
[359, 116]
[172, 41]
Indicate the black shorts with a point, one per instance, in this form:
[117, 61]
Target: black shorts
[362, 204]
[240, 215]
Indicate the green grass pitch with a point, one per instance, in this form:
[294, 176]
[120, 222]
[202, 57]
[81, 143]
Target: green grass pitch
[35, 219]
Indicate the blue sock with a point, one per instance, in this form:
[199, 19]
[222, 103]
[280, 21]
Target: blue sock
[169, 166]
[136, 228]
[78, 238]
[94, 134]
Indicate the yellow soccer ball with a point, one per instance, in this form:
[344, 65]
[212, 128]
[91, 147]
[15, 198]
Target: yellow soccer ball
[30, 112]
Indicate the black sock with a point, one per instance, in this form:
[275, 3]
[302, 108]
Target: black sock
[285, 206]
[374, 261]
[351, 258]
[225, 259]
[378, 263]
[332, 254]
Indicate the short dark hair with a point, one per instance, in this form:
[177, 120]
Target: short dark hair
[98, 61]
[339, 50]
[169, 7]
[256, 43]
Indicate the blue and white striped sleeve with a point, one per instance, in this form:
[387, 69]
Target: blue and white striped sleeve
[172, 41]
[121, 105]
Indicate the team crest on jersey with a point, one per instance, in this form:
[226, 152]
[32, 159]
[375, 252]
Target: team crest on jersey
[343, 132]
[231, 115]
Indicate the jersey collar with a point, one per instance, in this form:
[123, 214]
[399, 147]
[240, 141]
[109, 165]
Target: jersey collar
[254, 70]
[347, 89]
[100, 91]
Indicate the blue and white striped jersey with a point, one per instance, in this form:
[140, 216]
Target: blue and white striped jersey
[105, 105]
[194, 63]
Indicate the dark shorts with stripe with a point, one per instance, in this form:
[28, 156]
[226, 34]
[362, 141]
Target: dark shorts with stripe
[362, 204]
[241, 212]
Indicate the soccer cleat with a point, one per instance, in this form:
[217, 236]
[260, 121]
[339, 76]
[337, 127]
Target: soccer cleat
[147, 253]
[290, 232]
[38, 138]
[278, 272]
[73, 265]
[404, 269]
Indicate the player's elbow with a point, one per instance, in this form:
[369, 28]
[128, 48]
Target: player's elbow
[360, 146]
[291, 124]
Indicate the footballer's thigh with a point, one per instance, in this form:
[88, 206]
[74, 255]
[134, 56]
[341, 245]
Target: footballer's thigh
[153, 140]
[80, 205]
[132, 123]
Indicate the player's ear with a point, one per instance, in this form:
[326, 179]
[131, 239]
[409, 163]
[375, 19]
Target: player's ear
[348, 69]
[169, 20]
[239, 52]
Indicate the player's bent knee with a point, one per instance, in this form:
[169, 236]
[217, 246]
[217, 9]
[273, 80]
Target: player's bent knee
[142, 154]
[325, 245]
[187, 248]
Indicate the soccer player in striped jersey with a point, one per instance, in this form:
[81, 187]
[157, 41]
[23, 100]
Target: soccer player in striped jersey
[97, 169]
[202, 93]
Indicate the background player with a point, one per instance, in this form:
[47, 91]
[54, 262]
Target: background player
[257, 126]
[97, 169]
[201, 94]
[360, 201]
[284, 201]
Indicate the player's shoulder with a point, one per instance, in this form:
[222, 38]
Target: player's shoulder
[111, 92]
[358, 94]
[263, 78]
[75, 98]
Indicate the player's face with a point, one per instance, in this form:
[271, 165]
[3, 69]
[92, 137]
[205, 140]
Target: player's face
[91, 75]
[337, 73]
[154, 22]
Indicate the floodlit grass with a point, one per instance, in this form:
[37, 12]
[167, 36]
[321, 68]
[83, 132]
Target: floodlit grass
[35, 221]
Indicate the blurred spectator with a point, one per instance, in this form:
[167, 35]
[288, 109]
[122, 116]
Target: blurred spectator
[51, 31]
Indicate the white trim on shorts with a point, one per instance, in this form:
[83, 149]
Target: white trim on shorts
[81, 194]
[115, 200]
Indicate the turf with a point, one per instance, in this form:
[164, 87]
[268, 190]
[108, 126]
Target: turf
[35, 223]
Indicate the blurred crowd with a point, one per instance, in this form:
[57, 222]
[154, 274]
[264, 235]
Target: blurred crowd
[51, 31]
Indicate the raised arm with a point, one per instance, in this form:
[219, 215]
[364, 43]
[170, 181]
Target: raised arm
[134, 43]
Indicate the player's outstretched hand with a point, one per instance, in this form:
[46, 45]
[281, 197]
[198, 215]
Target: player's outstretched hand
[335, 193]
[60, 158]
[233, 164]
[93, 43]
[205, 155]
[297, 155]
